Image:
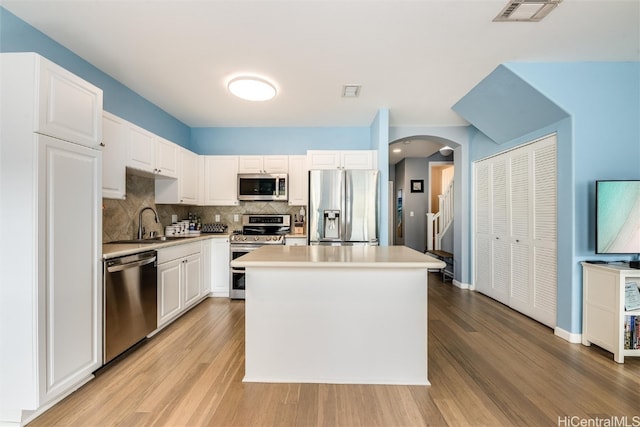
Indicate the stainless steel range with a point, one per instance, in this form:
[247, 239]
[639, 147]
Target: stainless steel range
[257, 231]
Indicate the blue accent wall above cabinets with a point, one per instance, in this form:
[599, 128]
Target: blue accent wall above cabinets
[277, 140]
[18, 36]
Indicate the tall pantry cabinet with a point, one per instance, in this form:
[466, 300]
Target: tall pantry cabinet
[50, 222]
[515, 229]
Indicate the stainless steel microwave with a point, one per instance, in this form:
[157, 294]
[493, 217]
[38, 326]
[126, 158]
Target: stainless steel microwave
[262, 187]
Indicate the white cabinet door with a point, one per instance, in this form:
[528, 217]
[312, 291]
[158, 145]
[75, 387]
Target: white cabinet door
[169, 290]
[192, 279]
[250, 164]
[152, 154]
[188, 181]
[221, 174]
[298, 181]
[276, 164]
[69, 193]
[114, 153]
[345, 159]
[142, 149]
[166, 158]
[69, 107]
[358, 159]
[220, 267]
[323, 159]
[263, 164]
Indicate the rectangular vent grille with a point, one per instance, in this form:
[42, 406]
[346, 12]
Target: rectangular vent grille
[526, 10]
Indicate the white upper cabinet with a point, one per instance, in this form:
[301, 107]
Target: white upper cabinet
[166, 158]
[69, 108]
[263, 164]
[142, 152]
[221, 181]
[344, 159]
[185, 189]
[152, 154]
[298, 180]
[114, 155]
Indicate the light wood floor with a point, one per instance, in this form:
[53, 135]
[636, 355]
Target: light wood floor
[488, 366]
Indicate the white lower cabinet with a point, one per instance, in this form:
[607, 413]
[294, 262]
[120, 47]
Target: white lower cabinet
[179, 280]
[215, 261]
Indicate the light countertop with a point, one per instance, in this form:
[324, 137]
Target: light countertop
[337, 256]
[112, 250]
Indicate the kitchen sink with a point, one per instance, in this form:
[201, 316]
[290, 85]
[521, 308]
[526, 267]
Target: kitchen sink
[153, 239]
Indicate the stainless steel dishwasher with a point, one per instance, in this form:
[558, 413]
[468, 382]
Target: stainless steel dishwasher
[129, 302]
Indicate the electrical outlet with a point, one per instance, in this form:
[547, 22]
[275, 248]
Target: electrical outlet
[236, 217]
[174, 218]
[217, 218]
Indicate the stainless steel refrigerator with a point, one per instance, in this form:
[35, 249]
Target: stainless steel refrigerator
[343, 207]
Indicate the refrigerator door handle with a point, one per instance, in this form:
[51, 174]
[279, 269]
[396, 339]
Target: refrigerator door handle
[347, 208]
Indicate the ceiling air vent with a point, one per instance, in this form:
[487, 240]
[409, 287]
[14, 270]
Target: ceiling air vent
[350, 91]
[526, 10]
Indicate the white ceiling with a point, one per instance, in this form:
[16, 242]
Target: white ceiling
[416, 58]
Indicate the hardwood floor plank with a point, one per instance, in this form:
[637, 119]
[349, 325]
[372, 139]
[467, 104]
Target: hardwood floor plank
[488, 366]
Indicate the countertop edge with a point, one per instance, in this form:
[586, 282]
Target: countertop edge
[133, 248]
[350, 264]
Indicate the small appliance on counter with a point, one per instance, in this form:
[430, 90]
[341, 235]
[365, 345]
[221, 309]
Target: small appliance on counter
[214, 228]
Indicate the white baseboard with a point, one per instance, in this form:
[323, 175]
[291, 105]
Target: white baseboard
[567, 336]
[461, 285]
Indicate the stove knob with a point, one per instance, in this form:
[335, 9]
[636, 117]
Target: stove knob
[256, 238]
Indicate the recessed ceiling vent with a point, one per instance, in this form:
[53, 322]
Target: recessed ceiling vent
[350, 91]
[526, 10]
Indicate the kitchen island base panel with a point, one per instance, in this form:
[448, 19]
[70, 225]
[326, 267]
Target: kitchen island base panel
[328, 325]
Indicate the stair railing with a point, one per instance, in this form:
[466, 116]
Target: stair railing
[439, 223]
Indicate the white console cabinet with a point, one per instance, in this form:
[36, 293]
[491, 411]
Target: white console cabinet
[603, 311]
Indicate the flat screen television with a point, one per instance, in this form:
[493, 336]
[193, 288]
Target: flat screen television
[618, 217]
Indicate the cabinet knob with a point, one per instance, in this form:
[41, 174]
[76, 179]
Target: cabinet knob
[102, 144]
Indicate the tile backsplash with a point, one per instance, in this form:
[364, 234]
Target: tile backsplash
[120, 217]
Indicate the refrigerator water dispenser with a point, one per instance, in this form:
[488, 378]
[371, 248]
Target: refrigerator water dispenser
[332, 224]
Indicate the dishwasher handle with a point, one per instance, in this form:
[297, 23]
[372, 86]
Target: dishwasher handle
[134, 261]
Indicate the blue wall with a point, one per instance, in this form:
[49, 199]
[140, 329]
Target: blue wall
[18, 36]
[276, 140]
[600, 139]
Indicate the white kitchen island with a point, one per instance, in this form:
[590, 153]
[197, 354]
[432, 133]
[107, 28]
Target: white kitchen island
[336, 314]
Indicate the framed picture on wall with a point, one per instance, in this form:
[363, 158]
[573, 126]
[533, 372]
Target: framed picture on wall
[417, 185]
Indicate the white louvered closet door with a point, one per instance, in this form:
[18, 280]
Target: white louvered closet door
[499, 231]
[516, 262]
[482, 227]
[520, 193]
[545, 278]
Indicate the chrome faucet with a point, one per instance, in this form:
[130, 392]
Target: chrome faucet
[140, 227]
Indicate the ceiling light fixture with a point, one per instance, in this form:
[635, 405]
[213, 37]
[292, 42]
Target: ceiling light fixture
[252, 88]
[526, 10]
[446, 150]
